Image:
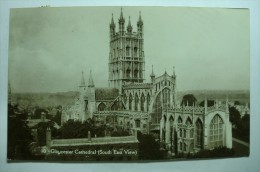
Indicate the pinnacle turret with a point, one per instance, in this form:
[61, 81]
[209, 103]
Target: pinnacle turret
[129, 27]
[121, 19]
[82, 83]
[140, 22]
[112, 24]
[90, 81]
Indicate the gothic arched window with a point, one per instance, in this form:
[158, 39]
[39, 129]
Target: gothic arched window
[137, 123]
[135, 51]
[216, 132]
[136, 73]
[128, 71]
[199, 133]
[136, 102]
[179, 120]
[166, 97]
[101, 107]
[157, 109]
[188, 121]
[130, 101]
[148, 102]
[142, 102]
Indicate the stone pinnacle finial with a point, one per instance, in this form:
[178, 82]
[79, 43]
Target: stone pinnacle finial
[90, 81]
[82, 83]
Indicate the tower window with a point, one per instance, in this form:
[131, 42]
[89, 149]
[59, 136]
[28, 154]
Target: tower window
[136, 73]
[128, 71]
[216, 132]
[127, 51]
[135, 51]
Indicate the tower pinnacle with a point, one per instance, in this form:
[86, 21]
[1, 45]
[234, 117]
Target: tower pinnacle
[82, 83]
[112, 24]
[173, 71]
[129, 27]
[90, 81]
[121, 19]
[140, 22]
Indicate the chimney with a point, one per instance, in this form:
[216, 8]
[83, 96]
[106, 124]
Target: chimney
[43, 116]
[48, 137]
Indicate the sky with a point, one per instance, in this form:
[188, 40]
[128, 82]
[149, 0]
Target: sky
[49, 47]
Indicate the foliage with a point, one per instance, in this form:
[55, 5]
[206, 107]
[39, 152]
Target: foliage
[188, 98]
[149, 149]
[236, 103]
[243, 128]
[41, 132]
[119, 132]
[77, 129]
[19, 135]
[209, 103]
[57, 117]
[234, 116]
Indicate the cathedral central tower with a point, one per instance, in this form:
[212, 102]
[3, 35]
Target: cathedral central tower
[126, 57]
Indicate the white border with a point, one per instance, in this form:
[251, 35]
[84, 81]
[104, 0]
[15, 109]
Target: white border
[235, 164]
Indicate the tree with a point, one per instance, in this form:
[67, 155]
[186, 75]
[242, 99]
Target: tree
[188, 98]
[41, 132]
[236, 103]
[57, 117]
[149, 149]
[209, 103]
[243, 128]
[234, 116]
[19, 135]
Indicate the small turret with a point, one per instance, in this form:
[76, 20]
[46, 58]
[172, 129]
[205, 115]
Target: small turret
[121, 22]
[112, 27]
[82, 83]
[90, 81]
[48, 137]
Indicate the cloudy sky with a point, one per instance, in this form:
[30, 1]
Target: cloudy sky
[49, 47]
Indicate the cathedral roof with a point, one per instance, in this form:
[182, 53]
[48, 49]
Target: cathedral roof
[106, 93]
[137, 85]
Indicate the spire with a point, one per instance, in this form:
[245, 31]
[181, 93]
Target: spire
[140, 22]
[90, 81]
[82, 83]
[121, 19]
[165, 72]
[129, 27]
[112, 24]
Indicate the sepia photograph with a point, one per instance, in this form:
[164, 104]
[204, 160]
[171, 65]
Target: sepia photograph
[128, 84]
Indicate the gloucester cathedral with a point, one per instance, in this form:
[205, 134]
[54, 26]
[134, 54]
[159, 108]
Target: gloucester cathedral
[149, 107]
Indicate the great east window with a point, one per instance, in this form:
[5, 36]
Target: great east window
[216, 132]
